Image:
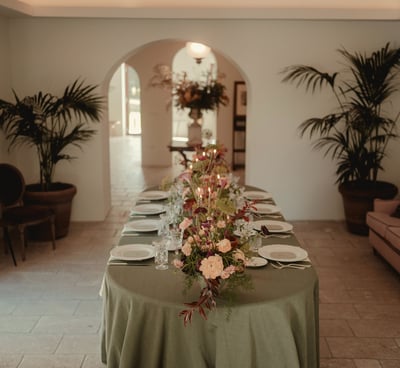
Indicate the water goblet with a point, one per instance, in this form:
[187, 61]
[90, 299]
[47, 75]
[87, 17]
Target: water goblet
[176, 236]
[255, 243]
[161, 254]
[163, 227]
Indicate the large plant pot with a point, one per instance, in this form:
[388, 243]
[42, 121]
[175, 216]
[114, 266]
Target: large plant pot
[358, 200]
[59, 199]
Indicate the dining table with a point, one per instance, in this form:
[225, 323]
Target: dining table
[273, 324]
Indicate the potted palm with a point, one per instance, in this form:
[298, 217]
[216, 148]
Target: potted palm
[356, 134]
[51, 124]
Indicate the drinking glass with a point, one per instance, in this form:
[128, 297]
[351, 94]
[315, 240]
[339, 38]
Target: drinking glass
[163, 228]
[161, 254]
[176, 236]
[255, 243]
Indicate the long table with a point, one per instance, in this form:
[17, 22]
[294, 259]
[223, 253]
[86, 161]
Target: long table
[273, 325]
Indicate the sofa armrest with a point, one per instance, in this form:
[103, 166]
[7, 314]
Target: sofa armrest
[386, 205]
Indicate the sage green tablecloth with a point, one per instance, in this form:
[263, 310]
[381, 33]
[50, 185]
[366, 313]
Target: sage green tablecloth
[275, 325]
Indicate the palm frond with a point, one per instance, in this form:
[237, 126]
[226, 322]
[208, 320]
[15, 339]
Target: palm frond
[356, 137]
[308, 76]
[51, 123]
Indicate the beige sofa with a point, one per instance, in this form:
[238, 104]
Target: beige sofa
[384, 230]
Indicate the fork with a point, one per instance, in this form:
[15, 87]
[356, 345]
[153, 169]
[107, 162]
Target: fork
[281, 236]
[279, 266]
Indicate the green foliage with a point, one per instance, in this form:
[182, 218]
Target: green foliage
[51, 124]
[357, 133]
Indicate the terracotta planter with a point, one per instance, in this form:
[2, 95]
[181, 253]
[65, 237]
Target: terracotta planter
[59, 200]
[358, 200]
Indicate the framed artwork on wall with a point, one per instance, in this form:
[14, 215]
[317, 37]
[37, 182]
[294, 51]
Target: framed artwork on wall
[239, 125]
[240, 100]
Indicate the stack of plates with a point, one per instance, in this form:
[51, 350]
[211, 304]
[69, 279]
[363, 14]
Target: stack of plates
[132, 252]
[153, 195]
[148, 209]
[256, 195]
[283, 253]
[141, 226]
[265, 208]
[273, 226]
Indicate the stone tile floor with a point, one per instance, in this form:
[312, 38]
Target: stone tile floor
[50, 310]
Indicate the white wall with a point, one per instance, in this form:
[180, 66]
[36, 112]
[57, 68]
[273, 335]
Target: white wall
[115, 104]
[49, 53]
[5, 81]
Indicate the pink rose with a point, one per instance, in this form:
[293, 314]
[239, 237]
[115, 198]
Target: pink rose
[187, 249]
[186, 222]
[239, 255]
[177, 263]
[212, 267]
[223, 182]
[228, 271]
[224, 245]
[221, 224]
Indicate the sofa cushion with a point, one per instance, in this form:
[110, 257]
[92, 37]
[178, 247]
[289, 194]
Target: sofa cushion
[379, 222]
[393, 237]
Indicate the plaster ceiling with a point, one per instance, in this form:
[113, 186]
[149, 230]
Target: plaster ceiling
[298, 9]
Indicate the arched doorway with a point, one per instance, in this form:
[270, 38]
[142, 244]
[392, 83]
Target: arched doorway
[154, 160]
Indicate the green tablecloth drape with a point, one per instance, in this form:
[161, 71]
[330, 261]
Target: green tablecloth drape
[273, 325]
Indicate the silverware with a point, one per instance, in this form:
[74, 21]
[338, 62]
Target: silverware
[267, 216]
[127, 264]
[281, 236]
[279, 266]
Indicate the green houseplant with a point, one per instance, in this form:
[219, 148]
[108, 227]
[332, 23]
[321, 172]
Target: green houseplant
[51, 124]
[356, 134]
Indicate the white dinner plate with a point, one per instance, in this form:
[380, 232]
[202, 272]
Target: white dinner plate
[273, 226]
[132, 252]
[148, 209]
[142, 226]
[255, 262]
[283, 253]
[265, 208]
[154, 195]
[257, 195]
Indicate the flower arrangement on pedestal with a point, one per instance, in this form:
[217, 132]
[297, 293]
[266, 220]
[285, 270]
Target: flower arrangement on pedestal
[216, 234]
[206, 94]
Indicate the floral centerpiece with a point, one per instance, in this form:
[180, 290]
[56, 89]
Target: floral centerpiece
[205, 94]
[216, 234]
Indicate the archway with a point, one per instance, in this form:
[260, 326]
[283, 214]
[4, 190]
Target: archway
[156, 117]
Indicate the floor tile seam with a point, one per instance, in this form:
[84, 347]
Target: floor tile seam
[29, 356]
[366, 339]
[327, 346]
[347, 325]
[362, 359]
[20, 361]
[383, 361]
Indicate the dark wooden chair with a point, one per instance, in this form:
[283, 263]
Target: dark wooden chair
[13, 212]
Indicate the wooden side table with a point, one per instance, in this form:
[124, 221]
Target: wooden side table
[182, 148]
